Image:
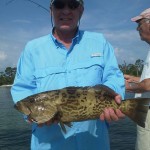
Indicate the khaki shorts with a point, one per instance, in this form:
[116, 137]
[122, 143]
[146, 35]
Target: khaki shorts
[143, 135]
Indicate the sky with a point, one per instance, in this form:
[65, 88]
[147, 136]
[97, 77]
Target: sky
[22, 21]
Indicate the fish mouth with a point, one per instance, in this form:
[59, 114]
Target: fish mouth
[32, 120]
[22, 108]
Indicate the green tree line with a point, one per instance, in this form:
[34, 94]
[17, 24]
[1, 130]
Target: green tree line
[133, 69]
[7, 77]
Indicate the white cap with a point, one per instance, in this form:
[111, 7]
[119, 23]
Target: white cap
[144, 14]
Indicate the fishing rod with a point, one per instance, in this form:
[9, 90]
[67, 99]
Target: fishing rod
[31, 1]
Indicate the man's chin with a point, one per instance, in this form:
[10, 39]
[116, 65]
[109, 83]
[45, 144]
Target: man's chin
[67, 28]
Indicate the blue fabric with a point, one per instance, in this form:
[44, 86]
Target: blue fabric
[45, 64]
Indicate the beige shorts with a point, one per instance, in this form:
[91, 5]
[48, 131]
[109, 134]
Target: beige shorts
[143, 135]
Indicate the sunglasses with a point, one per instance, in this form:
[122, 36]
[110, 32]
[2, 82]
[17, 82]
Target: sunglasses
[59, 4]
[145, 20]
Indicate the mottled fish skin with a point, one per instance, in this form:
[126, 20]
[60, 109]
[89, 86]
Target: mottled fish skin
[73, 104]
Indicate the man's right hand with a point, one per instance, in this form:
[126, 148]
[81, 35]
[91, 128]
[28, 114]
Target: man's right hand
[130, 78]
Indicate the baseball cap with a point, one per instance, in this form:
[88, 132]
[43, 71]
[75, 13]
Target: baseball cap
[80, 1]
[144, 14]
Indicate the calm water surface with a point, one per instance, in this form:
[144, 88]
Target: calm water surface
[15, 132]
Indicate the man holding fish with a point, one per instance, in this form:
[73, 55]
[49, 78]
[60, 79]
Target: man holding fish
[142, 85]
[69, 57]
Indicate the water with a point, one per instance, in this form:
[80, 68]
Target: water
[15, 132]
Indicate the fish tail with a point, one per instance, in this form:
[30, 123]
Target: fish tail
[136, 109]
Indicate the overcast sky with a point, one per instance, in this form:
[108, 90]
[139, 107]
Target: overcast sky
[21, 21]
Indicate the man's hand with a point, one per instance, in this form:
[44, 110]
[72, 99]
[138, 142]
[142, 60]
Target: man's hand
[129, 78]
[132, 83]
[110, 114]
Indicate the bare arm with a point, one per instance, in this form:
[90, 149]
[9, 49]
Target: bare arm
[133, 85]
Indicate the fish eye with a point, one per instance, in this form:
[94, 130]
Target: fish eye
[32, 100]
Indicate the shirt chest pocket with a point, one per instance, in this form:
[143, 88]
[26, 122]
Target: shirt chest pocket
[89, 72]
[86, 73]
[50, 78]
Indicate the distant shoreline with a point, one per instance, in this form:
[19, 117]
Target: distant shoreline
[5, 85]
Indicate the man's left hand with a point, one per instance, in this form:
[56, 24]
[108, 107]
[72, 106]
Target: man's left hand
[109, 114]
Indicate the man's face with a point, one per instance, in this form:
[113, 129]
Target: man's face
[144, 29]
[66, 14]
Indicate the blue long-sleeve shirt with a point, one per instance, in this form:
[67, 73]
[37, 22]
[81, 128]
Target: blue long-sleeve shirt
[46, 64]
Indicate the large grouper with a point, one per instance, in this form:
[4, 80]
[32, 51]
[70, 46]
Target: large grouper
[73, 104]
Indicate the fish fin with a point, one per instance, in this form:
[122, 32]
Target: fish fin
[62, 124]
[68, 124]
[51, 112]
[137, 110]
[108, 91]
[63, 127]
[58, 116]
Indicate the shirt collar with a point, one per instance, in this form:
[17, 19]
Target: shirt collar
[76, 39]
